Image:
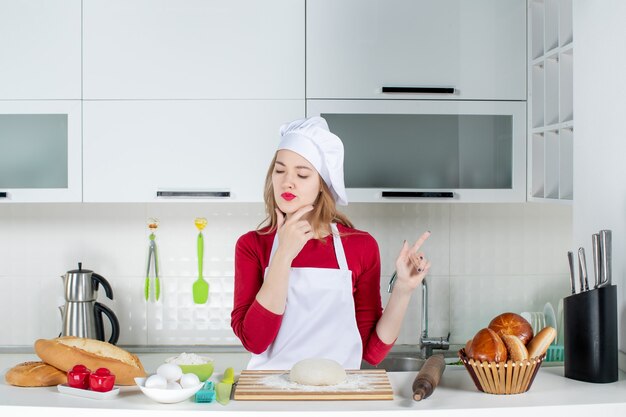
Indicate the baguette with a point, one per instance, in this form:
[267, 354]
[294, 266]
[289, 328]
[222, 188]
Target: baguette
[65, 352]
[539, 344]
[35, 374]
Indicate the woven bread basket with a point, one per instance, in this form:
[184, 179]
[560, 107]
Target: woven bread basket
[502, 377]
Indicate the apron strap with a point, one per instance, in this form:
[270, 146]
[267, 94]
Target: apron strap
[339, 252]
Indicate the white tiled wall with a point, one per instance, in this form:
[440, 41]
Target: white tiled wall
[487, 258]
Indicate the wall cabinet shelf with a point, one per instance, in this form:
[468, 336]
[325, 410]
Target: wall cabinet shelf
[550, 100]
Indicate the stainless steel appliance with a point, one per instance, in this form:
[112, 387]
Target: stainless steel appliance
[82, 314]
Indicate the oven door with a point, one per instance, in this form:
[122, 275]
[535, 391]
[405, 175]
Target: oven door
[435, 151]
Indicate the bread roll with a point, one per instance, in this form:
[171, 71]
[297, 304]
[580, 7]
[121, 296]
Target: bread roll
[513, 324]
[35, 374]
[487, 346]
[65, 352]
[541, 342]
[515, 348]
[468, 348]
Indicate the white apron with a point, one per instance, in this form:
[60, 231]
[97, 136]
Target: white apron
[319, 319]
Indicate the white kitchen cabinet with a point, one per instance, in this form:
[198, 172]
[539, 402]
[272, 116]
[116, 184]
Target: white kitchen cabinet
[193, 49]
[40, 151]
[357, 47]
[40, 42]
[448, 151]
[136, 149]
[550, 101]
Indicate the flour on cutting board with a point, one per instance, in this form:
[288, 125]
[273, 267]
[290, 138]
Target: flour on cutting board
[353, 382]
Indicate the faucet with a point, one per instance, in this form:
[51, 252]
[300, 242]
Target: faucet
[427, 344]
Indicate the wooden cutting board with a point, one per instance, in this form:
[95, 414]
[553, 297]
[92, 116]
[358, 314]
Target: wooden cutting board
[275, 385]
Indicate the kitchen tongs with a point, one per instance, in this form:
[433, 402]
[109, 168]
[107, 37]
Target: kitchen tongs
[152, 258]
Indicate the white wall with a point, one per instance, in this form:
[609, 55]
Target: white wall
[600, 134]
[487, 259]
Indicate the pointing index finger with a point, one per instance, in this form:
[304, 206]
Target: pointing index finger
[420, 241]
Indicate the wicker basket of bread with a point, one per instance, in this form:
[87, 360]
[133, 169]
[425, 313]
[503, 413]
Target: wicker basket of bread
[504, 357]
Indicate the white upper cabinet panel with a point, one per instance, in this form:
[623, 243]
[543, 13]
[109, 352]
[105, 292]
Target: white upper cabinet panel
[40, 151]
[357, 47]
[193, 49]
[136, 149]
[40, 49]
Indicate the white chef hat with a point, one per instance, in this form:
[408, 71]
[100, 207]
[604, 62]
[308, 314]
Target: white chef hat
[311, 139]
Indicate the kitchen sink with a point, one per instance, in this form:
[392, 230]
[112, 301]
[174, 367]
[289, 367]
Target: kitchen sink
[408, 361]
[394, 363]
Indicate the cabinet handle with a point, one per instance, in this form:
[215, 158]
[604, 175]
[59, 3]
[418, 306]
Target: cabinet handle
[4, 194]
[418, 194]
[193, 194]
[419, 90]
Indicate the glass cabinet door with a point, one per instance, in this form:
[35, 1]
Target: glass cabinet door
[40, 155]
[465, 151]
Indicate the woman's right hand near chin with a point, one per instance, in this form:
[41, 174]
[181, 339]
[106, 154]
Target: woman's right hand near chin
[293, 233]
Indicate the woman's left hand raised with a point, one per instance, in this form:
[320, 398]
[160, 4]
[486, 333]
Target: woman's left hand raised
[411, 266]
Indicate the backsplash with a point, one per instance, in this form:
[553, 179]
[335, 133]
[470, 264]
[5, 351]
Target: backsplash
[487, 258]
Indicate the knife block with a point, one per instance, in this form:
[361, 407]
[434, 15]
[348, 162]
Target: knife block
[590, 335]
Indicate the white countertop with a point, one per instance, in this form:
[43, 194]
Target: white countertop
[551, 395]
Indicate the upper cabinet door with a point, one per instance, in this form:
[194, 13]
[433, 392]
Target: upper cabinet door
[193, 49]
[188, 150]
[40, 151]
[40, 49]
[357, 47]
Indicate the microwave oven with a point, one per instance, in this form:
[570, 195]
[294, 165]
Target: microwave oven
[430, 151]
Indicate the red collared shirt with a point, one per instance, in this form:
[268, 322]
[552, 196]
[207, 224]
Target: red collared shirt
[257, 327]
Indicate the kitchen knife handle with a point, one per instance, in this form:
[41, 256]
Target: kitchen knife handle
[605, 251]
[572, 273]
[419, 90]
[597, 267]
[582, 269]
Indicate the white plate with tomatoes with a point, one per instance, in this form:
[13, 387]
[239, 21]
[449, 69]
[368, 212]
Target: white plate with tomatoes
[87, 393]
[98, 385]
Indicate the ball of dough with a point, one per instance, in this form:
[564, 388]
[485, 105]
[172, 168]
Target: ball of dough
[317, 371]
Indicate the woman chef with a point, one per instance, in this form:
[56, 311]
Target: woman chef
[307, 285]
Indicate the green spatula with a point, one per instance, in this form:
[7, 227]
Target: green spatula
[200, 286]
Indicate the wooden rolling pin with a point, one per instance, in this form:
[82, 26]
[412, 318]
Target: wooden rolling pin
[428, 377]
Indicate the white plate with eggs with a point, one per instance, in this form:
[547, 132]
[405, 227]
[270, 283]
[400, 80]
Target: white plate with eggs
[169, 385]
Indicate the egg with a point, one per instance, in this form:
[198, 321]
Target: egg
[173, 385]
[170, 372]
[189, 380]
[156, 381]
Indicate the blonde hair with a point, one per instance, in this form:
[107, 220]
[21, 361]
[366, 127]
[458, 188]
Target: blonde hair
[324, 208]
